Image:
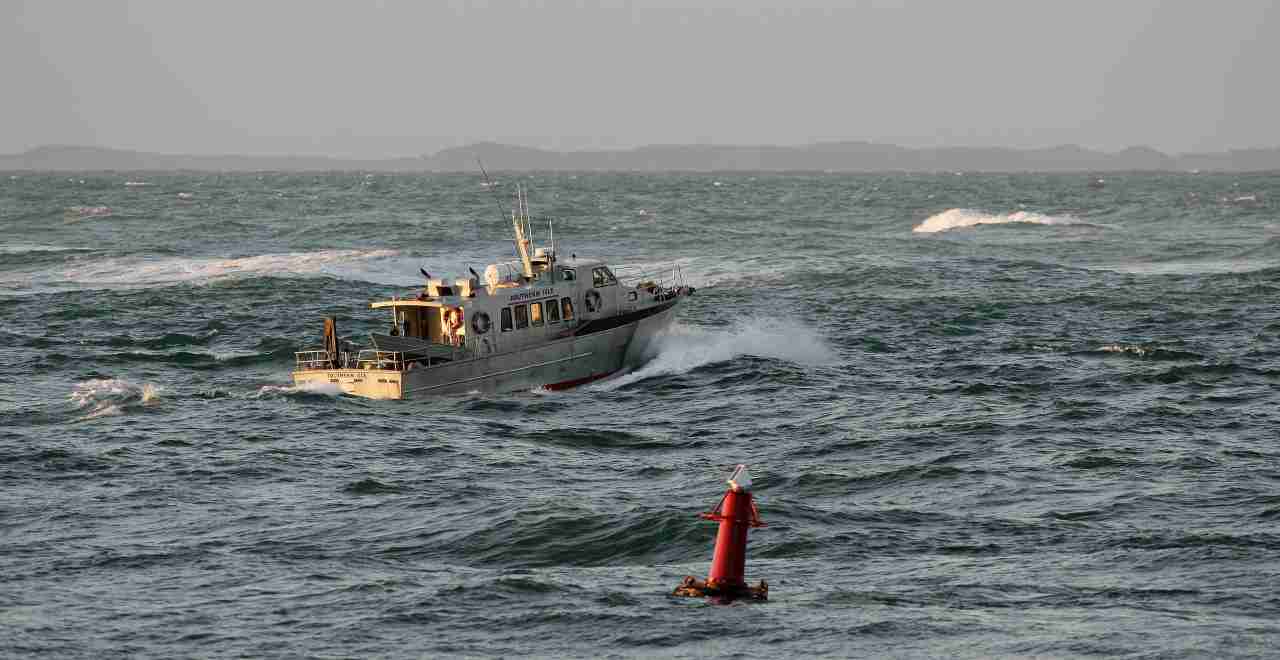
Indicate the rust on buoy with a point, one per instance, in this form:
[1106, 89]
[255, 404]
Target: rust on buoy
[736, 513]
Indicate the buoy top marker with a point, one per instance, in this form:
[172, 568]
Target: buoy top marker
[740, 480]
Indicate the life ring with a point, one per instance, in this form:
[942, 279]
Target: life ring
[593, 301]
[480, 323]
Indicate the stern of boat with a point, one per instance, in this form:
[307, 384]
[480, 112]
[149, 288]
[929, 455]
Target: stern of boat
[378, 375]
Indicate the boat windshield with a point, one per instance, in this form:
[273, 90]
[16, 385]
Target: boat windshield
[602, 276]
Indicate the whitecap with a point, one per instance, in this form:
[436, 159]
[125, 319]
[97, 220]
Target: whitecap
[105, 397]
[364, 265]
[23, 248]
[961, 218]
[90, 211]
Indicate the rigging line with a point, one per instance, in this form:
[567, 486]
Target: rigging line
[501, 213]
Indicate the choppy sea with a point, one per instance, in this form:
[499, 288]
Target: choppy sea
[987, 416]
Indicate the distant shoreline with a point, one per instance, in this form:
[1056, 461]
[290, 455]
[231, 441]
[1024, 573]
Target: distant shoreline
[836, 157]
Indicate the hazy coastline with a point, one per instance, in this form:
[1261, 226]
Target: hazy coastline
[820, 157]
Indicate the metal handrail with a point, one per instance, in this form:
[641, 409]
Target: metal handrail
[666, 277]
[370, 358]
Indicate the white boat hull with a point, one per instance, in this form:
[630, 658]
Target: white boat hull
[559, 364]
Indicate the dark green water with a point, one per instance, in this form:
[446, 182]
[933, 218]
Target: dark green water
[1049, 437]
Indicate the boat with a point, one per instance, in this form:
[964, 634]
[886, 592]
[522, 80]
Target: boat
[541, 321]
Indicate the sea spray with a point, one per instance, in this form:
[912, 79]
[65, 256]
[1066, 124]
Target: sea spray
[683, 348]
[275, 391]
[105, 397]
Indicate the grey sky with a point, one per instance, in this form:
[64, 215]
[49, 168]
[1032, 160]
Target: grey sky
[399, 78]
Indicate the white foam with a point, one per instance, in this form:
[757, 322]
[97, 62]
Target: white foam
[327, 389]
[105, 397]
[960, 218]
[705, 271]
[1140, 351]
[223, 356]
[682, 348]
[364, 265]
[22, 248]
[90, 211]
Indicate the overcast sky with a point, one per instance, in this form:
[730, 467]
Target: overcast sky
[403, 78]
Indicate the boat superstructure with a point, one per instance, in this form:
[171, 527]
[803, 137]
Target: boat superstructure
[539, 321]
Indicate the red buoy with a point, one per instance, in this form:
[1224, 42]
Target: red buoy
[736, 512]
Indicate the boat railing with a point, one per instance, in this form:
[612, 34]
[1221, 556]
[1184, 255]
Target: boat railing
[370, 358]
[671, 277]
[313, 360]
[317, 360]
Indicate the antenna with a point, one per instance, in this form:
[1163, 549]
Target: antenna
[520, 223]
[551, 261]
[489, 182]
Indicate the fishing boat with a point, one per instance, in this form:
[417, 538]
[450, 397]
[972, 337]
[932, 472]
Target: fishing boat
[541, 321]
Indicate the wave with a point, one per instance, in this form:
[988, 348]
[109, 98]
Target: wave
[701, 271]
[961, 218]
[292, 391]
[1204, 267]
[105, 397]
[681, 349]
[1147, 351]
[371, 486]
[28, 248]
[74, 212]
[362, 265]
[200, 359]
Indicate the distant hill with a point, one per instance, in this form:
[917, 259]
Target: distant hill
[73, 158]
[828, 156]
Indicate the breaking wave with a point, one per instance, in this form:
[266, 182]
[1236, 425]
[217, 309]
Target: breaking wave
[961, 218]
[377, 266]
[681, 349]
[104, 397]
[29, 248]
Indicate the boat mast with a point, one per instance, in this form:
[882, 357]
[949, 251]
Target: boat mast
[520, 222]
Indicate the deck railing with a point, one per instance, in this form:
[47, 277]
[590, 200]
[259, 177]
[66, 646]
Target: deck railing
[369, 358]
[316, 360]
[666, 277]
[374, 359]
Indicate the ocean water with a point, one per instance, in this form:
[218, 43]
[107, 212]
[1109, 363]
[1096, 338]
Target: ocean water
[987, 416]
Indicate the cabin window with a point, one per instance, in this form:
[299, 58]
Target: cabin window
[506, 319]
[602, 277]
[522, 316]
[566, 309]
[568, 274]
[535, 314]
[551, 310]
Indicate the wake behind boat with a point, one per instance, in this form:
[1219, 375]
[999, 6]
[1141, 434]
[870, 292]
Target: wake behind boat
[537, 322]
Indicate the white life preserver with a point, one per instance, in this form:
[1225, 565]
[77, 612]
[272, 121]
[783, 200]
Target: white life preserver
[480, 323]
